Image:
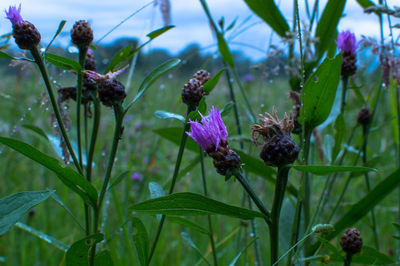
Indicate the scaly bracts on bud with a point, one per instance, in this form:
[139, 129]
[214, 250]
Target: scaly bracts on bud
[81, 33]
[202, 75]
[347, 44]
[212, 136]
[90, 63]
[279, 148]
[364, 116]
[351, 241]
[25, 33]
[89, 85]
[193, 91]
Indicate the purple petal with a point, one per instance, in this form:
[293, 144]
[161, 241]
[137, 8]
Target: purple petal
[346, 42]
[14, 15]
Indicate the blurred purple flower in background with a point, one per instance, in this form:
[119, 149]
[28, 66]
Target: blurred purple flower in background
[14, 15]
[346, 42]
[248, 78]
[136, 176]
[211, 132]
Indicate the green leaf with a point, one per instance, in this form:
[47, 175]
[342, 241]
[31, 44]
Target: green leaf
[153, 76]
[368, 256]
[256, 166]
[103, 258]
[365, 3]
[78, 253]
[167, 115]
[67, 175]
[363, 206]
[156, 190]
[320, 90]
[123, 55]
[118, 179]
[63, 62]
[227, 109]
[141, 240]
[154, 34]
[270, 13]
[6, 56]
[187, 203]
[174, 134]
[13, 207]
[188, 223]
[60, 27]
[210, 85]
[327, 25]
[224, 50]
[37, 130]
[188, 240]
[340, 132]
[39, 234]
[329, 169]
[233, 262]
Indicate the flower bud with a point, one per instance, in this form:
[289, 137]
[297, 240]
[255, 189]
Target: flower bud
[90, 63]
[279, 148]
[192, 92]
[364, 116]
[351, 241]
[203, 76]
[111, 92]
[347, 45]
[81, 33]
[224, 158]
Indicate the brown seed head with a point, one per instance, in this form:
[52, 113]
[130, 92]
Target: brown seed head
[81, 33]
[192, 92]
[203, 76]
[26, 35]
[351, 241]
[364, 116]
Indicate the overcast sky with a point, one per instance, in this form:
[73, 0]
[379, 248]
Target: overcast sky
[187, 15]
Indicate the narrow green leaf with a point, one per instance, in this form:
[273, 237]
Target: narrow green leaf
[37, 130]
[320, 90]
[329, 169]
[396, 225]
[188, 240]
[153, 76]
[167, 115]
[67, 175]
[327, 25]
[118, 179]
[63, 62]
[13, 207]
[233, 262]
[365, 3]
[6, 56]
[224, 50]
[257, 167]
[141, 240]
[60, 27]
[154, 34]
[227, 109]
[122, 55]
[270, 13]
[39, 234]
[188, 223]
[173, 134]
[369, 201]
[340, 131]
[187, 203]
[103, 258]
[55, 197]
[210, 85]
[78, 253]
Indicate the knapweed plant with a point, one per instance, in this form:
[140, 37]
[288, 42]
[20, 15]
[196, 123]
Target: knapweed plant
[278, 188]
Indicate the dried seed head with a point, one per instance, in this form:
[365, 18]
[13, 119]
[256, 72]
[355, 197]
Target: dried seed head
[364, 116]
[192, 92]
[81, 33]
[26, 35]
[111, 92]
[349, 67]
[351, 241]
[203, 76]
[279, 148]
[89, 85]
[90, 63]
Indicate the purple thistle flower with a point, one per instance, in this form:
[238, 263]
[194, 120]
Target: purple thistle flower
[346, 42]
[136, 176]
[14, 15]
[248, 78]
[210, 132]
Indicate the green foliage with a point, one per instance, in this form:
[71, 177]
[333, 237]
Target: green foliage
[141, 240]
[63, 62]
[329, 169]
[210, 85]
[78, 253]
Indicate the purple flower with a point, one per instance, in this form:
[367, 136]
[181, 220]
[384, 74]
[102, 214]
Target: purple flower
[210, 132]
[346, 42]
[248, 78]
[14, 15]
[136, 176]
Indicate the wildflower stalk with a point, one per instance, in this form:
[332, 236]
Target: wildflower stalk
[345, 81]
[39, 61]
[210, 227]
[347, 260]
[82, 59]
[174, 177]
[280, 188]
[119, 116]
[93, 138]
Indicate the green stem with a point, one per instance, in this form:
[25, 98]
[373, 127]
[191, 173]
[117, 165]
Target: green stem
[186, 127]
[119, 116]
[45, 76]
[347, 259]
[280, 188]
[82, 59]
[93, 139]
[345, 81]
[210, 227]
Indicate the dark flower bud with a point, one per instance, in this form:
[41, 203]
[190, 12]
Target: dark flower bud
[224, 158]
[89, 85]
[364, 116]
[279, 148]
[347, 45]
[349, 67]
[192, 92]
[203, 76]
[351, 241]
[81, 33]
[111, 92]
[90, 63]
